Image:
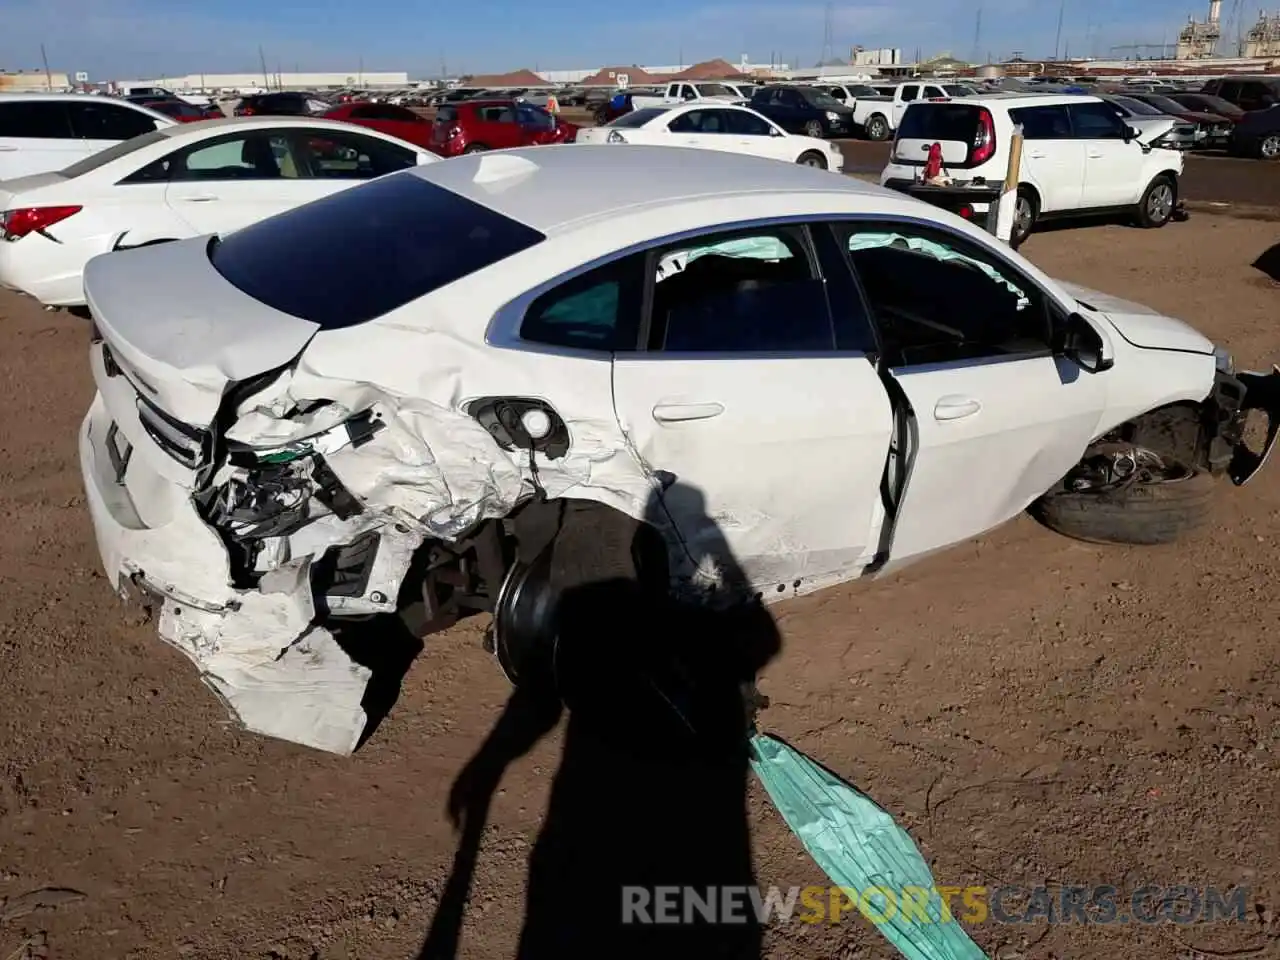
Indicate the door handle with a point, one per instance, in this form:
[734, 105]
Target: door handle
[1035, 155]
[8, 149]
[198, 199]
[678, 412]
[1095, 155]
[955, 408]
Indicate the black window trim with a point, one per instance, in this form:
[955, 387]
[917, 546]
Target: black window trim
[1052, 305]
[503, 329]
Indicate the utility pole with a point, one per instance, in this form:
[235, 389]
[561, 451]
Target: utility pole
[48, 77]
[1057, 40]
[977, 35]
[828, 39]
[262, 58]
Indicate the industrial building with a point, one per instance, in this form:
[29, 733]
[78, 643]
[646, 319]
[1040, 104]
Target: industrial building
[1199, 40]
[34, 81]
[257, 82]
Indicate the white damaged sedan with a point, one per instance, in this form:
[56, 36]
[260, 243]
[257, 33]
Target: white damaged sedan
[413, 392]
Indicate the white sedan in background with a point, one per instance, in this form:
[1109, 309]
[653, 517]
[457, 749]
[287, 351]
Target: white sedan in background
[181, 181]
[717, 126]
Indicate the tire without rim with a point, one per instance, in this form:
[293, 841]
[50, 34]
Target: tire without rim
[812, 158]
[877, 128]
[1158, 203]
[1142, 514]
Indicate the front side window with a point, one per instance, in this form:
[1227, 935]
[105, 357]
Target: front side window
[350, 156]
[745, 124]
[910, 92]
[749, 292]
[938, 298]
[700, 121]
[107, 121]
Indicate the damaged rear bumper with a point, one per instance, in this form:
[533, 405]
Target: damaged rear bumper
[259, 650]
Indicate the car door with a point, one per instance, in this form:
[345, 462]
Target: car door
[233, 180]
[706, 128]
[768, 442]
[753, 134]
[1053, 160]
[1114, 163]
[98, 123]
[998, 419]
[499, 127]
[35, 137]
[907, 93]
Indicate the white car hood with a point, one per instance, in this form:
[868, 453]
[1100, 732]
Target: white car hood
[1141, 325]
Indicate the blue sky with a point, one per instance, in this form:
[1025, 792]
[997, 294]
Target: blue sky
[126, 39]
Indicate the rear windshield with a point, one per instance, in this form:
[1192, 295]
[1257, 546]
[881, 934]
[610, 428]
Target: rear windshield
[939, 121]
[367, 250]
[446, 115]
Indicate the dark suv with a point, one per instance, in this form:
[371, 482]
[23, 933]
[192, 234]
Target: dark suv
[1248, 93]
[805, 110]
[283, 104]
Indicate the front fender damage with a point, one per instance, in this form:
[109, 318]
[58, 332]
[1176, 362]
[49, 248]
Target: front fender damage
[322, 495]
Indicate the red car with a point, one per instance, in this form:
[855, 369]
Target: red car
[475, 125]
[182, 111]
[385, 118]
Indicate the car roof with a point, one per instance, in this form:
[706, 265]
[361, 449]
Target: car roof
[550, 187]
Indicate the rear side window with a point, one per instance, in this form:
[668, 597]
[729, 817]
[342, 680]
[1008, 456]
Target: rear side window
[35, 120]
[366, 251]
[1043, 123]
[939, 121]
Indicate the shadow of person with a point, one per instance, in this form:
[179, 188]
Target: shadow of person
[1269, 262]
[650, 794]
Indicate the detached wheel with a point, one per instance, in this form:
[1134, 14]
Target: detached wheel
[812, 158]
[1026, 211]
[877, 128]
[1172, 504]
[1158, 203]
[1269, 147]
[814, 129]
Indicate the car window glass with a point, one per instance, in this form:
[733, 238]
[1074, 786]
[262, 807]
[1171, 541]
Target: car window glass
[933, 92]
[350, 156]
[598, 310]
[1043, 123]
[753, 292]
[1096, 121]
[253, 156]
[107, 121]
[529, 116]
[940, 299]
[34, 119]
[910, 92]
[745, 124]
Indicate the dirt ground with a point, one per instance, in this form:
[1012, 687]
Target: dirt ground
[1033, 709]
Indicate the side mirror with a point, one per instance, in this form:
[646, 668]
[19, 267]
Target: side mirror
[1078, 341]
[1129, 133]
[775, 132]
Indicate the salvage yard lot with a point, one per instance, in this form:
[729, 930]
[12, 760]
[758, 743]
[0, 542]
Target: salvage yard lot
[1033, 709]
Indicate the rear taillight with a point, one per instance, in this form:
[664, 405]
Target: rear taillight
[966, 211]
[16, 224]
[984, 140]
[244, 111]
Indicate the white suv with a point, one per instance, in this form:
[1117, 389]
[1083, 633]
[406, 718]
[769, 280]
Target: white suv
[1079, 155]
[43, 132]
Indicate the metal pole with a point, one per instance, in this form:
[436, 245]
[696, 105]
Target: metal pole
[1008, 203]
[48, 77]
